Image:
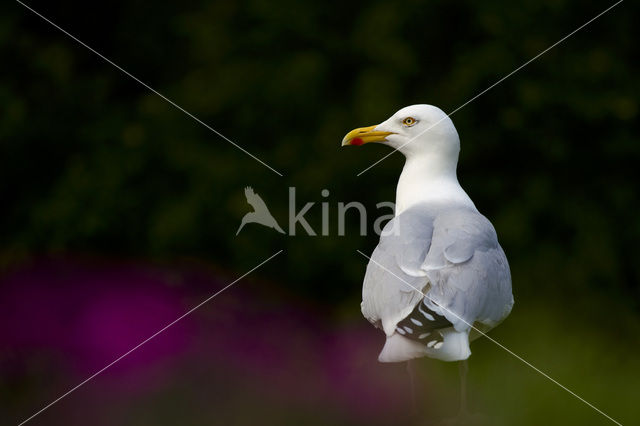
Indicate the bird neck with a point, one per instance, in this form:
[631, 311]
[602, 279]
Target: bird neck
[429, 179]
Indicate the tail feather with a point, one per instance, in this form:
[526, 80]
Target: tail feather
[455, 347]
[398, 349]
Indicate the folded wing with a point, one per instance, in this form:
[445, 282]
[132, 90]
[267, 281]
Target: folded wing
[448, 253]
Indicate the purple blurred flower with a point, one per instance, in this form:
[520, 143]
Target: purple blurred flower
[87, 316]
[82, 316]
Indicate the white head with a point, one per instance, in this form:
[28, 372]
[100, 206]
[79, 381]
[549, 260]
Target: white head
[415, 131]
[427, 138]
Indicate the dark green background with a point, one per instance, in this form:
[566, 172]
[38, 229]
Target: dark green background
[93, 163]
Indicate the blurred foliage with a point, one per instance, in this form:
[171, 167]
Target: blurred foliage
[91, 161]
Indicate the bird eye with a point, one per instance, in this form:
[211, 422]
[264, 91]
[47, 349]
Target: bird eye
[409, 121]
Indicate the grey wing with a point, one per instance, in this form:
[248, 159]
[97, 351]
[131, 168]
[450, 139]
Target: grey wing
[449, 253]
[468, 270]
[390, 291]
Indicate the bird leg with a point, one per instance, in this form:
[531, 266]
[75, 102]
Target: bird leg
[463, 369]
[411, 373]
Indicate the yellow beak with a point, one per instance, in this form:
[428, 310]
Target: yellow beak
[364, 135]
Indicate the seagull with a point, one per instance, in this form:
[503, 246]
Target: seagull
[438, 277]
[260, 213]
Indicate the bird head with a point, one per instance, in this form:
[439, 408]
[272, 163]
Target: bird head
[414, 130]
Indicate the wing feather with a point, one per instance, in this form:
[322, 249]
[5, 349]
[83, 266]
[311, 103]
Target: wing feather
[451, 254]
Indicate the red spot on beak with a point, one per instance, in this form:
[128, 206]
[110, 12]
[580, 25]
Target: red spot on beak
[356, 142]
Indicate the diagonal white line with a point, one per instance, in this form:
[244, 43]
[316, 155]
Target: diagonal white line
[495, 84]
[499, 344]
[148, 339]
[153, 90]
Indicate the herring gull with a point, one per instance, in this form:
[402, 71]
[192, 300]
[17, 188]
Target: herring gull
[438, 277]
